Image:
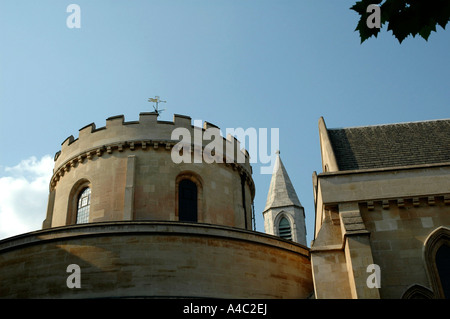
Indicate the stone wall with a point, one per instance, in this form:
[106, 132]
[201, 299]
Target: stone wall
[398, 235]
[153, 259]
[377, 217]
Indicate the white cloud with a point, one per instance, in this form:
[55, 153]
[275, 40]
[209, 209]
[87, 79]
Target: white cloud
[23, 195]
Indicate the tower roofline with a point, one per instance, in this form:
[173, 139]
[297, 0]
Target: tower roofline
[120, 136]
[281, 191]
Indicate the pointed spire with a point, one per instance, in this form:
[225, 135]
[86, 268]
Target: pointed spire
[281, 192]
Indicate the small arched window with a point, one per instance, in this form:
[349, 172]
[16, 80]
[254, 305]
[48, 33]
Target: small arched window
[83, 206]
[284, 229]
[187, 201]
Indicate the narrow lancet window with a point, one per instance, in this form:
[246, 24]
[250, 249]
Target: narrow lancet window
[84, 204]
[187, 201]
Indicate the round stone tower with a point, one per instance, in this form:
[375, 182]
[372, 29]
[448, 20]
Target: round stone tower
[136, 171]
[151, 209]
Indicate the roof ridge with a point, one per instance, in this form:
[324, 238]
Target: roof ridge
[392, 145]
[389, 124]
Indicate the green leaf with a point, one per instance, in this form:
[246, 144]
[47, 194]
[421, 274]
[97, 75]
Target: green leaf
[404, 17]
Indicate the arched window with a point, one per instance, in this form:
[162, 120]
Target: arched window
[284, 229]
[437, 261]
[418, 292]
[83, 206]
[187, 201]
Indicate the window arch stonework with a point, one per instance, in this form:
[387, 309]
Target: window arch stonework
[434, 242]
[418, 292]
[74, 197]
[288, 217]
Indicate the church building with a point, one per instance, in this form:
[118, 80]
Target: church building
[382, 226]
[124, 220]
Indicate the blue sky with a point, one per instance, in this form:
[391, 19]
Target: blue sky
[247, 63]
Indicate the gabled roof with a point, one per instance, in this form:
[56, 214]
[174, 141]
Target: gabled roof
[392, 145]
[281, 191]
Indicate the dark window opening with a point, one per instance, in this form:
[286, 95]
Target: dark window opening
[187, 201]
[443, 267]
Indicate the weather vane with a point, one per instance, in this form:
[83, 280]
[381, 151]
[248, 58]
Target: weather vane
[157, 100]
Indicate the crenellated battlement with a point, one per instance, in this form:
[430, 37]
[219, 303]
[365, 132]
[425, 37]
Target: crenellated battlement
[147, 133]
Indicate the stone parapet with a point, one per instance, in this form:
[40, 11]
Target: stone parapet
[147, 133]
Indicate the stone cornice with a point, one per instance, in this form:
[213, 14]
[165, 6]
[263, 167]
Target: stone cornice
[143, 145]
[147, 133]
[166, 228]
[382, 185]
[415, 201]
[381, 170]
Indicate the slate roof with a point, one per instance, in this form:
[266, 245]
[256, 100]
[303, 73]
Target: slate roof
[391, 145]
[281, 191]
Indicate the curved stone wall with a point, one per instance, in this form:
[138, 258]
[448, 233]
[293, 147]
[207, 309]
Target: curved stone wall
[132, 176]
[153, 259]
